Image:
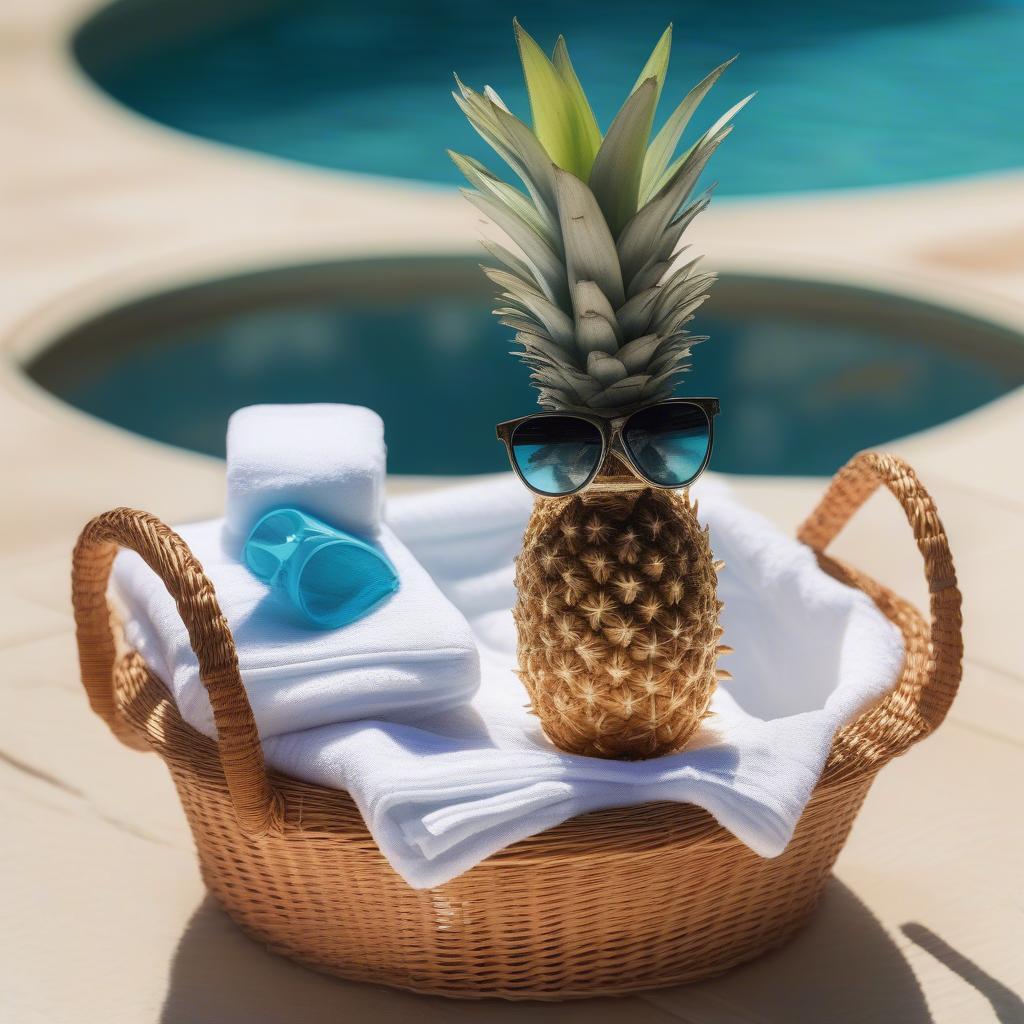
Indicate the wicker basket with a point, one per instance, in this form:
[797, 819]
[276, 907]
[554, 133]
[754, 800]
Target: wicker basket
[606, 903]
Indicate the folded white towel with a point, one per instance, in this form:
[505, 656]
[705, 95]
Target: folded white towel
[444, 793]
[413, 654]
[327, 460]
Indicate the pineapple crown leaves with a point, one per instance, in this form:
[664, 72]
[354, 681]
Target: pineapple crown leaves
[598, 307]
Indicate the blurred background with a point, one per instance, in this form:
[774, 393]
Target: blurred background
[854, 101]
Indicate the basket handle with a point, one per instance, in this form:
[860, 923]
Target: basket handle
[256, 805]
[849, 489]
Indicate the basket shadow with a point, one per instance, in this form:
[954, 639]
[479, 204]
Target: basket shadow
[842, 968]
[221, 976]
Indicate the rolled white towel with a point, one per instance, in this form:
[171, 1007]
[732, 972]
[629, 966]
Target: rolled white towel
[327, 460]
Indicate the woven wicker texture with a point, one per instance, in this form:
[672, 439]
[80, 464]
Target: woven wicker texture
[617, 621]
[606, 903]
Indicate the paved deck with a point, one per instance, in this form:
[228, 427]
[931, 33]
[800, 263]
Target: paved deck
[105, 916]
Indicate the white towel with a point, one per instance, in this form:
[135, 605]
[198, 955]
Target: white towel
[442, 794]
[327, 460]
[411, 655]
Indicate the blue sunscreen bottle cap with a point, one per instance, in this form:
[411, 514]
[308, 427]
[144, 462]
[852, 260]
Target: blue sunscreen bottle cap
[330, 577]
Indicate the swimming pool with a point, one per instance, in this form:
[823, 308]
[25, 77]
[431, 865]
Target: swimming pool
[872, 93]
[807, 373]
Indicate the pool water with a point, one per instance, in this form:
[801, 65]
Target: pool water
[849, 94]
[807, 374]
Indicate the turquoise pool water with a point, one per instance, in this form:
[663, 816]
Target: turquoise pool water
[849, 94]
[807, 374]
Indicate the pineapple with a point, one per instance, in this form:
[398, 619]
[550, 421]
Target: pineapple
[617, 609]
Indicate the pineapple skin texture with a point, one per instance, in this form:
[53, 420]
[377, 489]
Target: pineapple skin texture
[617, 621]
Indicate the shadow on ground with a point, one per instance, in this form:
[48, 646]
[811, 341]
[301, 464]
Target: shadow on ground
[220, 976]
[843, 968]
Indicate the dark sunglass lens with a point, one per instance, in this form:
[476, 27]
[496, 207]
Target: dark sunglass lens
[669, 443]
[556, 454]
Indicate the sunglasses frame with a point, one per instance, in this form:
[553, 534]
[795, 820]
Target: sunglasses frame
[610, 429]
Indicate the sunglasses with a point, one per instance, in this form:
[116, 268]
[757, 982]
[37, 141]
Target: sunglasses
[667, 444]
